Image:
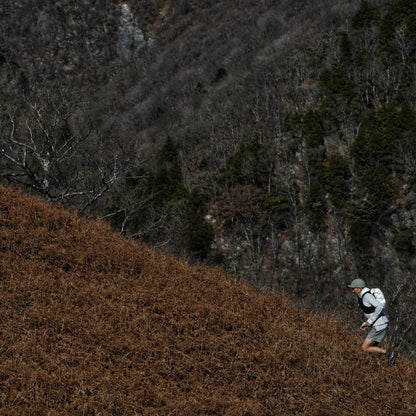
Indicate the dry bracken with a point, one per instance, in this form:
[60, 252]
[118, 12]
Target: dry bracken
[96, 324]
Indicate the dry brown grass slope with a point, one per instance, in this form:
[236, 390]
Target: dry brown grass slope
[94, 324]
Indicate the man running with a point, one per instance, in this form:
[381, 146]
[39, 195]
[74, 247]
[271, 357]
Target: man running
[376, 320]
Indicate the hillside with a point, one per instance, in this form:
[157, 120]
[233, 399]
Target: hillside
[276, 139]
[95, 324]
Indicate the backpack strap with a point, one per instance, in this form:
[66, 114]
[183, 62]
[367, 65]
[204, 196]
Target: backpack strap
[369, 309]
[365, 309]
[381, 314]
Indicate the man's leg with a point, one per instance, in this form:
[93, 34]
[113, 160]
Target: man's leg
[370, 346]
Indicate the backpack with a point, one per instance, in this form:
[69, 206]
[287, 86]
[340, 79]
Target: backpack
[379, 295]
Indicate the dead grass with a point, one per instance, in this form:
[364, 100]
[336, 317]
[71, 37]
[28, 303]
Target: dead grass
[95, 324]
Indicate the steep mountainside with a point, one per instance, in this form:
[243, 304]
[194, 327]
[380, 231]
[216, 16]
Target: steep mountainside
[275, 139]
[95, 324]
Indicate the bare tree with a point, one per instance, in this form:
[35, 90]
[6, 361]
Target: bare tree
[48, 146]
[242, 214]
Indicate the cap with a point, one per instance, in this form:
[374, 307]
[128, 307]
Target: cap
[357, 283]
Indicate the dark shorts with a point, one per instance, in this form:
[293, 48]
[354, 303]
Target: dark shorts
[378, 336]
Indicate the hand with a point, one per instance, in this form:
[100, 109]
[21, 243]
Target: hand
[363, 326]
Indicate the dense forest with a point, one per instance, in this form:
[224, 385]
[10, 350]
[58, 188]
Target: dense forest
[276, 139]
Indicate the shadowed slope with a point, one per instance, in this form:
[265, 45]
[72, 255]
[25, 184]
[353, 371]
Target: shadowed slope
[95, 324]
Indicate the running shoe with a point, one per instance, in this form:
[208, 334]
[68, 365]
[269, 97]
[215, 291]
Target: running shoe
[392, 357]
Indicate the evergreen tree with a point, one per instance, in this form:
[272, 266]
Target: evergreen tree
[167, 183]
[337, 175]
[366, 16]
[198, 234]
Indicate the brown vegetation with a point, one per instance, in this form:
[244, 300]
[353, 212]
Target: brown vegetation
[95, 324]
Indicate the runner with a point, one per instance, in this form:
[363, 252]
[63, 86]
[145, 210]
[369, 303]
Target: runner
[377, 320]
